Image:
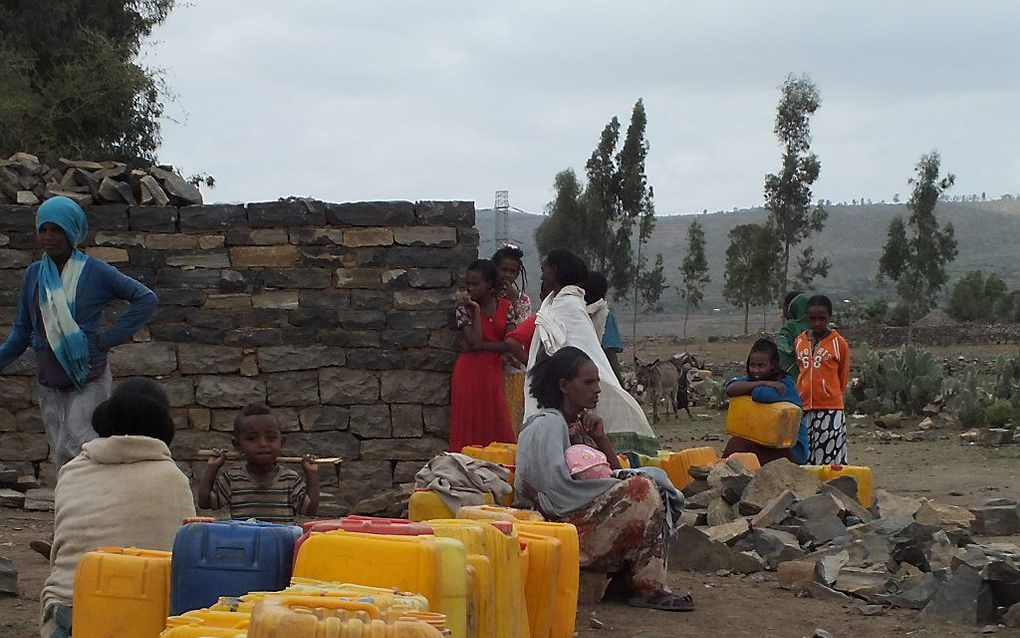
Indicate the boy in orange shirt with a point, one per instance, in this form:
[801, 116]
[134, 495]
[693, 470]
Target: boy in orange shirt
[823, 356]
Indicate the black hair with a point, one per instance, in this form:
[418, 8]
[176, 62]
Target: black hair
[512, 252]
[139, 409]
[769, 347]
[252, 409]
[822, 301]
[141, 385]
[788, 299]
[546, 375]
[595, 287]
[487, 269]
[570, 269]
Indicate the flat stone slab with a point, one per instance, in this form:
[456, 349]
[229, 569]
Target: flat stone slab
[11, 498]
[39, 500]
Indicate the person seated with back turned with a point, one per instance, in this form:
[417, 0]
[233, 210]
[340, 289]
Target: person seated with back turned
[122, 490]
[620, 523]
[259, 487]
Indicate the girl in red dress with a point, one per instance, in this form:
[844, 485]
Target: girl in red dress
[478, 414]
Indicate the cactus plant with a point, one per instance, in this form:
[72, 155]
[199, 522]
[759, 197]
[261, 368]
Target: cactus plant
[903, 380]
[968, 399]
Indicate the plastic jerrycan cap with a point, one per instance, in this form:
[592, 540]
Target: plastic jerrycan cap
[836, 468]
[504, 526]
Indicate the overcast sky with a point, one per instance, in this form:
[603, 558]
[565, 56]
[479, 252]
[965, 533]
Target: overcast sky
[453, 99]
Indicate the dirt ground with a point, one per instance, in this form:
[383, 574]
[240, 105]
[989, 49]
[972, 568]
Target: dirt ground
[731, 606]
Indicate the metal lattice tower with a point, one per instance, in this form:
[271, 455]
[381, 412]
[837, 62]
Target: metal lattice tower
[501, 234]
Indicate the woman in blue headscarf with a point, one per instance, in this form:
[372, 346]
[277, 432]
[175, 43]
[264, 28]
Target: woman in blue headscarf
[60, 306]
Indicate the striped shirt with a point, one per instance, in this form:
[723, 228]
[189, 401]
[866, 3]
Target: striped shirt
[277, 499]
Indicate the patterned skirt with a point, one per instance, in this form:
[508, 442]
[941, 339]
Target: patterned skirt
[827, 432]
[624, 531]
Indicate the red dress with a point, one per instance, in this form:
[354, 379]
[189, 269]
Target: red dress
[478, 414]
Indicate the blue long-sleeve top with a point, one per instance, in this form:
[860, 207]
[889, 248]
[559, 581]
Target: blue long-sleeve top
[99, 284]
[765, 394]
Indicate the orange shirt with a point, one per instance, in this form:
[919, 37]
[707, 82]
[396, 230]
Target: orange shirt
[824, 371]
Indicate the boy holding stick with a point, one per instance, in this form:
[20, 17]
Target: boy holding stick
[259, 487]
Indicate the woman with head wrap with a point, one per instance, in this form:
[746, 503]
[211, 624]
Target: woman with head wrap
[794, 323]
[60, 307]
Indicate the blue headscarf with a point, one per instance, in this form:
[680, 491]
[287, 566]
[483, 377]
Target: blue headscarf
[58, 289]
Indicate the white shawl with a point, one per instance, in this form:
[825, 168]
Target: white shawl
[599, 312]
[563, 321]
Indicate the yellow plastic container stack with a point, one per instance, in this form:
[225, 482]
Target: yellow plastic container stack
[222, 619]
[540, 582]
[121, 592]
[624, 461]
[497, 513]
[434, 567]
[315, 617]
[862, 473]
[677, 464]
[773, 425]
[424, 505]
[203, 632]
[503, 553]
[568, 572]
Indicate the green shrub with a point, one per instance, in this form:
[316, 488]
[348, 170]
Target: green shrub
[999, 413]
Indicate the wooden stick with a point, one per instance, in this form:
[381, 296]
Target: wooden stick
[236, 456]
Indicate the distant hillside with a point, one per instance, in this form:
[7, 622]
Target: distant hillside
[987, 233]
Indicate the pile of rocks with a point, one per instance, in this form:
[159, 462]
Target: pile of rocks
[902, 552]
[23, 491]
[26, 180]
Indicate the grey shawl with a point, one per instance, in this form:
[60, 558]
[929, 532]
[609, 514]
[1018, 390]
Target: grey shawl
[461, 480]
[542, 472]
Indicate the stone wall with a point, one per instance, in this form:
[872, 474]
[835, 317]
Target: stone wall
[339, 316]
[947, 335]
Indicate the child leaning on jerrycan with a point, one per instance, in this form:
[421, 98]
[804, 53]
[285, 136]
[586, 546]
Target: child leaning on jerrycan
[766, 382]
[259, 487]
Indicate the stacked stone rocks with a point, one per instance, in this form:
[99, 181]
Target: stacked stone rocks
[339, 316]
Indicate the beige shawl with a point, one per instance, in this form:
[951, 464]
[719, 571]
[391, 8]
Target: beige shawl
[121, 491]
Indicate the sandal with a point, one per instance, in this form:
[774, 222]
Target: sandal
[43, 548]
[664, 602]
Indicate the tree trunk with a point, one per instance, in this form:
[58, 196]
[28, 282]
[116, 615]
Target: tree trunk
[637, 301]
[764, 310]
[747, 315]
[687, 312]
[786, 268]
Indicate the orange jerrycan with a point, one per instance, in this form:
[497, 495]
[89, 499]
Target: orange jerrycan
[497, 513]
[676, 465]
[501, 548]
[541, 580]
[569, 572]
[121, 592]
[748, 459]
[773, 425]
[499, 453]
[434, 567]
[861, 473]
